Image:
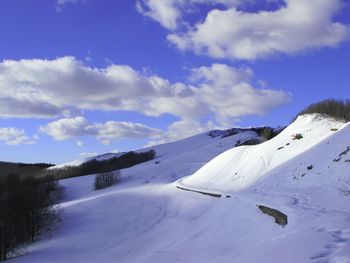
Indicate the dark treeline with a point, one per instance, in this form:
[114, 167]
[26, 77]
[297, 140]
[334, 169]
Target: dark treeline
[26, 210]
[339, 109]
[7, 168]
[92, 167]
[37, 165]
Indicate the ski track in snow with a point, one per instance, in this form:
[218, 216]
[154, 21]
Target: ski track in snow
[340, 239]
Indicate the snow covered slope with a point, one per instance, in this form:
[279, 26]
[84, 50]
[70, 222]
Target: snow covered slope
[239, 168]
[177, 159]
[146, 218]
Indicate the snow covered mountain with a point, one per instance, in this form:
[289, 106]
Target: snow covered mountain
[303, 172]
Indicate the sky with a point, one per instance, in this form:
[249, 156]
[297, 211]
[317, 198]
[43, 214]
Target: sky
[84, 77]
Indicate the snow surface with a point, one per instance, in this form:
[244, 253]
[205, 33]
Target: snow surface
[239, 168]
[146, 218]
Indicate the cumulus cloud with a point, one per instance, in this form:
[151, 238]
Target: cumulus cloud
[229, 94]
[233, 33]
[182, 129]
[113, 130]
[14, 136]
[52, 88]
[168, 13]
[164, 12]
[65, 87]
[67, 128]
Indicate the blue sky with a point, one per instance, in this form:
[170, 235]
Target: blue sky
[90, 76]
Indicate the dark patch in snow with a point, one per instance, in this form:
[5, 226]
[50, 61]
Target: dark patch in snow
[199, 192]
[342, 154]
[345, 152]
[321, 254]
[279, 217]
[297, 136]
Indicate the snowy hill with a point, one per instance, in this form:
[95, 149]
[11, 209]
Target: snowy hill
[303, 172]
[239, 168]
[194, 151]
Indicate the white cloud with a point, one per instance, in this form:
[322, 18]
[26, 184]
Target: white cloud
[79, 143]
[229, 93]
[68, 128]
[61, 3]
[182, 129]
[168, 13]
[221, 75]
[113, 130]
[237, 34]
[14, 136]
[66, 87]
[52, 88]
[163, 11]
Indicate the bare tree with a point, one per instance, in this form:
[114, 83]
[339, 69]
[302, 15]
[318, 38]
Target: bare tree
[106, 179]
[26, 211]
